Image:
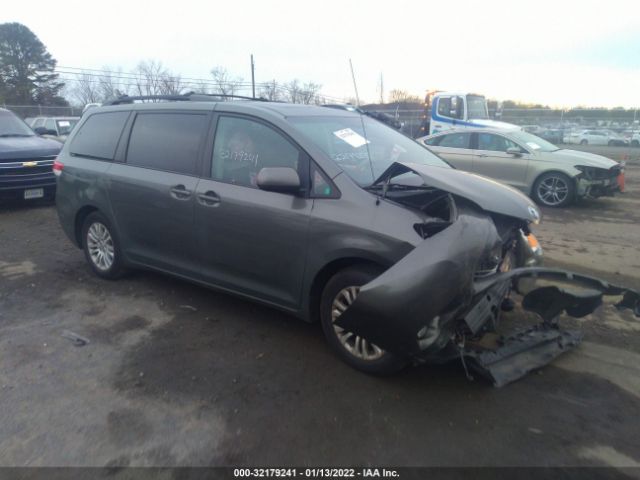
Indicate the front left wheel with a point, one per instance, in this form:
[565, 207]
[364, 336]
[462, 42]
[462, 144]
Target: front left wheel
[339, 293]
[101, 248]
[554, 189]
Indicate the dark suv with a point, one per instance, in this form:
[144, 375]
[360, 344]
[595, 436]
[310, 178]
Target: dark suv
[326, 214]
[26, 160]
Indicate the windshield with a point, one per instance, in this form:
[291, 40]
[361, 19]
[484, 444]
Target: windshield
[65, 126]
[12, 126]
[533, 142]
[477, 107]
[343, 140]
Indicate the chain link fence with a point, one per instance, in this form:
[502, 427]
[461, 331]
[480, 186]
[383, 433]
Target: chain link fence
[24, 111]
[412, 116]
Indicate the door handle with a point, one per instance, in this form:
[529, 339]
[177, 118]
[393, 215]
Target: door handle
[209, 198]
[483, 155]
[179, 192]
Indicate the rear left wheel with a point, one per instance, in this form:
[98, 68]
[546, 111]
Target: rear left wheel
[339, 293]
[101, 248]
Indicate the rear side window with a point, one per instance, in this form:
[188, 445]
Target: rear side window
[455, 140]
[98, 136]
[166, 141]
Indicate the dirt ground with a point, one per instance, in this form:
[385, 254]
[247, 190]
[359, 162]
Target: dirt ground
[175, 374]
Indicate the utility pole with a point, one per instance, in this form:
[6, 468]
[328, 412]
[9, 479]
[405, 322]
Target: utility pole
[253, 78]
[381, 90]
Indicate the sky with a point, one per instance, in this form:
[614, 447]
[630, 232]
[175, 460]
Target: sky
[561, 53]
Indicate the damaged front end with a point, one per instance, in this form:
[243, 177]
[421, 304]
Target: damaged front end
[443, 300]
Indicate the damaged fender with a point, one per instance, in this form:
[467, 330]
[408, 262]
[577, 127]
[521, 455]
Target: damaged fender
[424, 290]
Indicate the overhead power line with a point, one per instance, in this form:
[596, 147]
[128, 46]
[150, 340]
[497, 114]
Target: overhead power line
[125, 79]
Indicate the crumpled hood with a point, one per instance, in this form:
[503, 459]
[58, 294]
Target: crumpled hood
[488, 194]
[575, 157]
[18, 148]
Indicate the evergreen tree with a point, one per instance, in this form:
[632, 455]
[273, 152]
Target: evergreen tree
[27, 69]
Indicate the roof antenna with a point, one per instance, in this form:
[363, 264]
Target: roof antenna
[355, 87]
[364, 131]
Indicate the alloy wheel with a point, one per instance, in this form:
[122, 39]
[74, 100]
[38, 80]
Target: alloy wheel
[354, 344]
[100, 246]
[553, 191]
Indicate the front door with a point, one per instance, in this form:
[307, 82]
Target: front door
[249, 240]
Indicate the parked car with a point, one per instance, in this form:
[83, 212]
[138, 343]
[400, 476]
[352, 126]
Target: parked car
[552, 135]
[595, 137]
[634, 139]
[326, 214]
[553, 177]
[26, 160]
[56, 128]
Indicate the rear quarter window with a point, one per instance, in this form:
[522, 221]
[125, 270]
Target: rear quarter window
[167, 141]
[99, 135]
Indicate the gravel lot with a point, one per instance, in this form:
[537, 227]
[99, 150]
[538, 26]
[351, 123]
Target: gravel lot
[175, 374]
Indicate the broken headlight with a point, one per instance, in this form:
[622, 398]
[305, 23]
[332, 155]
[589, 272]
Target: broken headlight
[489, 263]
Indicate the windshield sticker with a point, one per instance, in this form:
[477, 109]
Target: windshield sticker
[533, 145]
[63, 123]
[352, 138]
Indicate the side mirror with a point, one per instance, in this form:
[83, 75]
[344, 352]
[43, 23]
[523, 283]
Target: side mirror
[278, 179]
[516, 152]
[40, 130]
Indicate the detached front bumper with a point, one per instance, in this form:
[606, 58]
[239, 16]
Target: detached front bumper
[425, 305]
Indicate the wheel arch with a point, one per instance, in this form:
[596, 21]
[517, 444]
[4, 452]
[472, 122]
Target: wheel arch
[552, 170]
[326, 273]
[80, 217]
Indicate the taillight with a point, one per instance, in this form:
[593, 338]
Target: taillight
[57, 167]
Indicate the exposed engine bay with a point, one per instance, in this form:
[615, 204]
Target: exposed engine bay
[451, 288]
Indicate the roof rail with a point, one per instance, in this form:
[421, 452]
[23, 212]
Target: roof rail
[186, 97]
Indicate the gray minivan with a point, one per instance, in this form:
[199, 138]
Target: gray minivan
[326, 214]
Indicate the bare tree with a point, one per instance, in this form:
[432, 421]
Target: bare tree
[171, 84]
[270, 91]
[309, 92]
[293, 90]
[200, 87]
[86, 89]
[111, 84]
[402, 96]
[149, 76]
[225, 83]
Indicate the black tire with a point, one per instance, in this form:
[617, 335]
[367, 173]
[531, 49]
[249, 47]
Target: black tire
[116, 268]
[584, 142]
[356, 276]
[611, 143]
[635, 143]
[544, 183]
